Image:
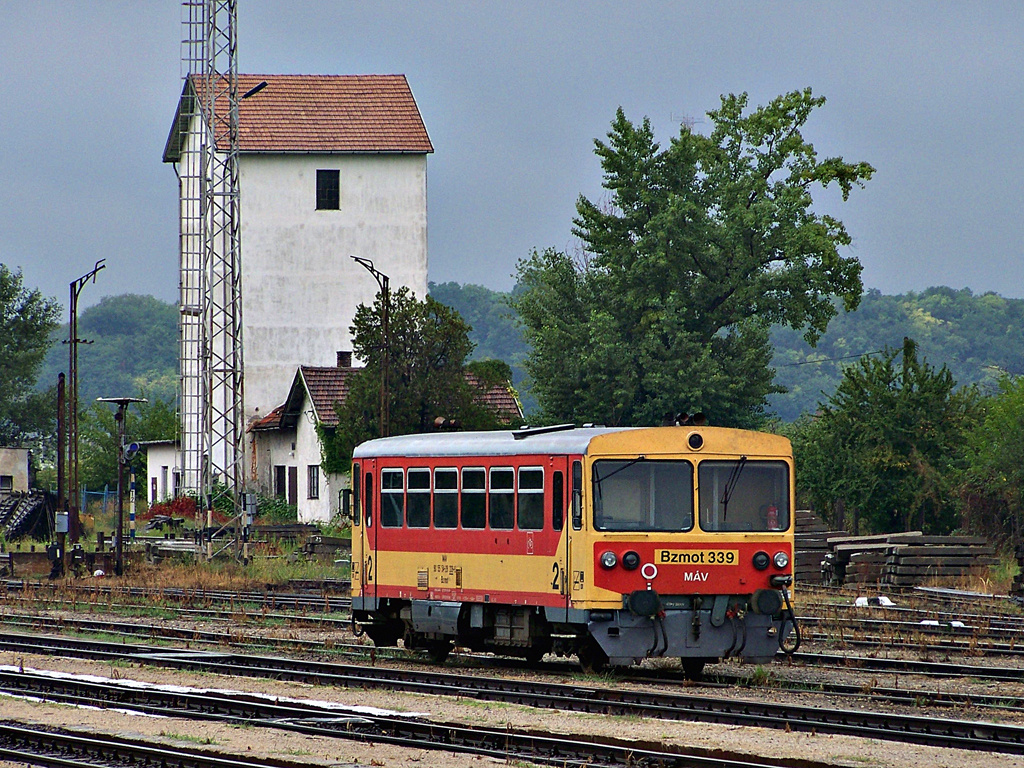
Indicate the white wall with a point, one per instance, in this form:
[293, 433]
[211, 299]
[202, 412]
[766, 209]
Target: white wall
[161, 462]
[300, 288]
[14, 464]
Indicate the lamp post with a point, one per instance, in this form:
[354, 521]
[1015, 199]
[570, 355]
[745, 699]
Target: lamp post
[122, 459]
[71, 423]
[384, 282]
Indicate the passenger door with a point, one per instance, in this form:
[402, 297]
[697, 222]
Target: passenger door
[560, 484]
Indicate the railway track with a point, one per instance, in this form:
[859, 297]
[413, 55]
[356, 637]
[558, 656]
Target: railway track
[965, 734]
[58, 748]
[507, 745]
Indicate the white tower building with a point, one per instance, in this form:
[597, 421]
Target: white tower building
[329, 167]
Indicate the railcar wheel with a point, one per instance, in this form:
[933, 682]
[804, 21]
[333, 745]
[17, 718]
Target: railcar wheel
[693, 669]
[384, 635]
[438, 650]
[592, 657]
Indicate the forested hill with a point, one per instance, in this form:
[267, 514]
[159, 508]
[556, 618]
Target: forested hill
[133, 350]
[977, 337]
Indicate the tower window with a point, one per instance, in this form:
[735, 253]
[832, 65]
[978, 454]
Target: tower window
[328, 190]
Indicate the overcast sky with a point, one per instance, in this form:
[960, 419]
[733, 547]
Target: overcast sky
[513, 94]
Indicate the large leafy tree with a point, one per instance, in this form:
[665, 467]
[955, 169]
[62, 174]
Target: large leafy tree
[428, 343]
[26, 320]
[889, 444]
[697, 250]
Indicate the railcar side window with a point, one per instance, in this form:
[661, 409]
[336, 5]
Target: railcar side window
[530, 499]
[474, 498]
[392, 498]
[446, 497]
[557, 500]
[642, 495]
[577, 495]
[743, 495]
[357, 511]
[502, 498]
[368, 499]
[418, 505]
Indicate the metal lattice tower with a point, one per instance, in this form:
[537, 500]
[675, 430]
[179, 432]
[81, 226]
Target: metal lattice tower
[210, 325]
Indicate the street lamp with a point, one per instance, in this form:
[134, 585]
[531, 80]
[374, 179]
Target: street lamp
[122, 458]
[384, 282]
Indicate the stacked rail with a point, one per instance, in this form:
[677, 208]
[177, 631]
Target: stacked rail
[909, 559]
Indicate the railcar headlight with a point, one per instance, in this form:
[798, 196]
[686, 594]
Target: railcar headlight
[781, 560]
[631, 560]
[761, 560]
[609, 559]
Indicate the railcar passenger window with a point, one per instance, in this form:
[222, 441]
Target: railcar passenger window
[392, 498]
[474, 498]
[446, 498]
[357, 511]
[743, 495]
[643, 495]
[368, 499]
[557, 500]
[418, 512]
[502, 498]
[530, 499]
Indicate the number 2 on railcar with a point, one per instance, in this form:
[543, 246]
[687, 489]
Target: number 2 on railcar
[613, 544]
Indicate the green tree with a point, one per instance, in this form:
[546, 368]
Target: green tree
[888, 444]
[26, 320]
[992, 487]
[700, 248]
[428, 344]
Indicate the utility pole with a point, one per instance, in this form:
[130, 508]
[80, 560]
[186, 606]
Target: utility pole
[385, 299]
[124, 454]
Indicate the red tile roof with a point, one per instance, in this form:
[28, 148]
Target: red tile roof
[327, 387]
[499, 398]
[317, 113]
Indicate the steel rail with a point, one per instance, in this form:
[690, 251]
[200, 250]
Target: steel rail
[948, 646]
[909, 666]
[970, 631]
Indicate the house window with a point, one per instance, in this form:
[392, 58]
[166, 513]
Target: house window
[280, 487]
[6, 483]
[313, 481]
[328, 190]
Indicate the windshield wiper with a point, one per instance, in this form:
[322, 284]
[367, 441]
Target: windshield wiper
[627, 465]
[730, 485]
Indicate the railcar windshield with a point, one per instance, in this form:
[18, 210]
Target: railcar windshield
[743, 495]
[643, 495]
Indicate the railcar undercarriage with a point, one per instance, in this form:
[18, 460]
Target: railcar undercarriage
[697, 630]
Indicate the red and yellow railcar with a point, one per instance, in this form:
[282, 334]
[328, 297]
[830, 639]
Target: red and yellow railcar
[612, 544]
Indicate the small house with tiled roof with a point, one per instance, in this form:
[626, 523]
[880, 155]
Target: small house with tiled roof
[330, 166]
[285, 444]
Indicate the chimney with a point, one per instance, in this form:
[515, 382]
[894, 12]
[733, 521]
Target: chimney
[344, 359]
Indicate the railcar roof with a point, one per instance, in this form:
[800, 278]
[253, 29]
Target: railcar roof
[496, 443]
